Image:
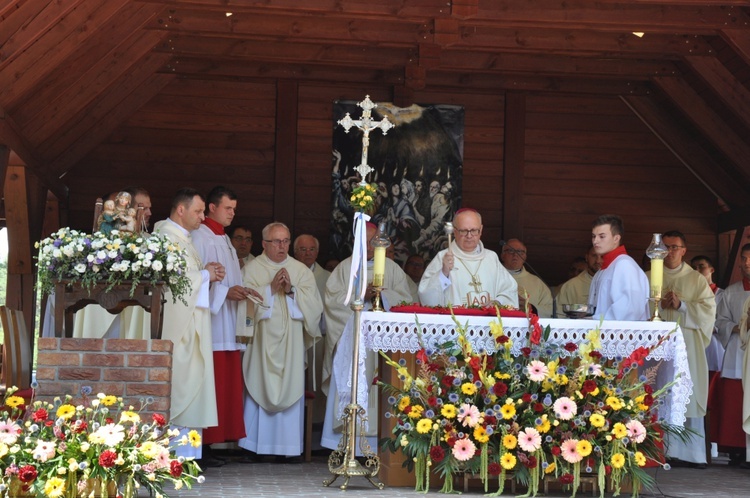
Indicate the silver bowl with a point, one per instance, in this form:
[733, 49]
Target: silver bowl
[578, 310]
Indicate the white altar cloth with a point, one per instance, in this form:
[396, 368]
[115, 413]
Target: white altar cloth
[397, 332]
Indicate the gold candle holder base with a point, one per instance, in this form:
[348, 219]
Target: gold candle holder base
[342, 461]
[655, 317]
[377, 302]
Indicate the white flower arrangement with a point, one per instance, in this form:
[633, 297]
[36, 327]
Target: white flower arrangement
[114, 259]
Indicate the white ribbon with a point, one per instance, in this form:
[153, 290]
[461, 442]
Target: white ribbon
[358, 273]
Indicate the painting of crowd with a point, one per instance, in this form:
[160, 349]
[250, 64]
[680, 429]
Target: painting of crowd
[417, 170]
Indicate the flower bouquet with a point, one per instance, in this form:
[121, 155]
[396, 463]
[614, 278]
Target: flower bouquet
[115, 259]
[554, 412]
[64, 450]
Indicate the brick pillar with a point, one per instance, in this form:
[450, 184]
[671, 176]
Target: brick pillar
[136, 370]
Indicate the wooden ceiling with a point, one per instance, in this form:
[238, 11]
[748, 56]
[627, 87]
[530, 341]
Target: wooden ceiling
[71, 71]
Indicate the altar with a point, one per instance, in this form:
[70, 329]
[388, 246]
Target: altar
[396, 334]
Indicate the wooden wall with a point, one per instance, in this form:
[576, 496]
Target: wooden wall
[584, 155]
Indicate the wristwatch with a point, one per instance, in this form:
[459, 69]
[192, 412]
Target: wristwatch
[291, 291]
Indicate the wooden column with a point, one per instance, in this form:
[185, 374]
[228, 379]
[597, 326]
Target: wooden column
[513, 171]
[287, 108]
[24, 207]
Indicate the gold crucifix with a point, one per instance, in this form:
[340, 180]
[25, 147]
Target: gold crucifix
[476, 283]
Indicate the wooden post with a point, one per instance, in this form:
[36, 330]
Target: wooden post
[513, 171]
[287, 96]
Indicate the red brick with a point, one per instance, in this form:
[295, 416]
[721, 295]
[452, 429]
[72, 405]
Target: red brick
[45, 373]
[79, 373]
[125, 375]
[103, 360]
[162, 346]
[149, 360]
[53, 359]
[109, 388]
[81, 344]
[134, 389]
[47, 343]
[160, 375]
[48, 390]
[126, 345]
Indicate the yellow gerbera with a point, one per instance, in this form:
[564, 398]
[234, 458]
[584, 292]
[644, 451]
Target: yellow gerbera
[194, 438]
[508, 410]
[14, 401]
[149, 449]
[597, 420]
[510, 441]
[614, 402]
[468, 388]
[65, 411]
[128, 416]
[544, 427]
[619, 430]
[448, 411]
[403, 403]
[54, 487]
[416, 411]
[583, 448]
[618, 460]
[640, 459]
[480, 434]
[550, 468]
[424, 426]
[109, 400]
[508, 461]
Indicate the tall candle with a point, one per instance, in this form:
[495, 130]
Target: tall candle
[378, 267]
[657, 276]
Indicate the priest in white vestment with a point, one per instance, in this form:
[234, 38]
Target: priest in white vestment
[513, 257]
[467, 274]
[228, 310]
[242, 240]
[274, 364]
[193, 398]
[620, 290]
[688, 300]
[576, 290]
[339, 318]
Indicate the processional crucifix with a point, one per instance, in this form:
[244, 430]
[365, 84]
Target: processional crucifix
[342, 461]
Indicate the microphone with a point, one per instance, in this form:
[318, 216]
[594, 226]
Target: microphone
[503, 243]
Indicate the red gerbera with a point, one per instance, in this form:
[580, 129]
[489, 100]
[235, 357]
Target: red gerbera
[107, 459]
[437, 453]
[175, 468]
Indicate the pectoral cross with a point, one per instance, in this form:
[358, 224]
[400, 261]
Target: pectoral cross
[475, 282]
[366, 124]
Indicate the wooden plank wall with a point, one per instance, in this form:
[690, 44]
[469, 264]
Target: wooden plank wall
[584, 155]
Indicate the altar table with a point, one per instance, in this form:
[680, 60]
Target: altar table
[396, 334]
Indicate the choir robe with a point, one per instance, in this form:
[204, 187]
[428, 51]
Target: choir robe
[574, 291]
[496, 284]
[696, 316]
[727, 391]
[338, 317]
[227, 317]
[413, 290]
[315, 354]
[620, 291]
[539, 294]
[274, 365]
[744, 340]
[193, 399]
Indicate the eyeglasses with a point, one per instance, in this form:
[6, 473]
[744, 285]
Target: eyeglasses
[306, 249]
[674, 248]
[278, 242]
[240, 238]
[474, 232]
[518, 252]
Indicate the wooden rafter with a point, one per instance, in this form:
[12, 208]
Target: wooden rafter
[739, 40]
[724, 84]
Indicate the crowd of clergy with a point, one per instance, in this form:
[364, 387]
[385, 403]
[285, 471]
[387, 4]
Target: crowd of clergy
[258, 335]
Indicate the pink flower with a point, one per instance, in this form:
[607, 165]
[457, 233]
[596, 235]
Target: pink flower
[565, 408]
[537, 371]
[636, 431]
[468, 415]
[9, 432]
[529, 440]
[569, 451]
[463, 450]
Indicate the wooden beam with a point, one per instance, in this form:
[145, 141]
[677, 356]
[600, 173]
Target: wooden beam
[711, 124]
[732, 267]
[4, 157]
[739, 40]
[736, 219]
[683, 146]
[287, 109]
[514, 165]
[725, 85]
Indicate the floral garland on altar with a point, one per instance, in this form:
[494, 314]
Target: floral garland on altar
[58, 450]
[114, 259]
[554, 412]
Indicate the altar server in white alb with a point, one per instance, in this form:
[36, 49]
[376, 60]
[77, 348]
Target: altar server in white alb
[338, 318]
[745, 345]
[513, 257]
[688, 300]
[620, 290]
[576, 290]
[228, 309]
[193, 399]
[467, 273]
[274, 364]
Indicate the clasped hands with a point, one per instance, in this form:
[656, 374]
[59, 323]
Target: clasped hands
[670, 301]
[281, 282]
[216, 272]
